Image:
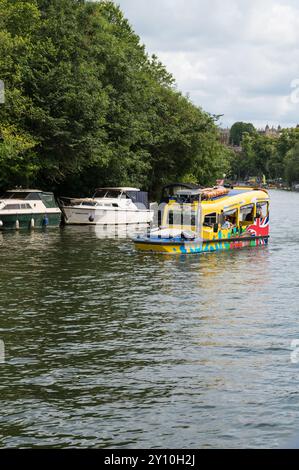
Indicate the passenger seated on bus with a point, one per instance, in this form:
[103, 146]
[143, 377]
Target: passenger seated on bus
[227, 223]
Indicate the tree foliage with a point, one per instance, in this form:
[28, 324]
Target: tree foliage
[15, 147]
[86, 106]
[238, 130]
[271, 155]
[292, 165]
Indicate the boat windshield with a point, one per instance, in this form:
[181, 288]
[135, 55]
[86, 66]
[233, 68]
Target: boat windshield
[111, 193]
[30, 196]
[12, 207]
[181, 215]
[17, 195]
[48, 199]
[88, 203]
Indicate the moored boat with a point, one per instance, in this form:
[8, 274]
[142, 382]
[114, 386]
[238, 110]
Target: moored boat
[28, 208]
[108, 206]
[210, 219]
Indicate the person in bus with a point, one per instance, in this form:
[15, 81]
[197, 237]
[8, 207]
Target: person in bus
[227, 223]
[258, 213]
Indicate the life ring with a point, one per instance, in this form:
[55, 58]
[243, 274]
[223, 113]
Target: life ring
[210, 193]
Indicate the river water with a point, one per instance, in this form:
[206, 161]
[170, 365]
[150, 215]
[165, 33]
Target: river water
[109, 348]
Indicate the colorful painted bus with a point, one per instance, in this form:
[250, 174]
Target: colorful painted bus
[208, 220]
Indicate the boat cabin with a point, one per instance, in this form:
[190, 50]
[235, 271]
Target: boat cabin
[28, 208]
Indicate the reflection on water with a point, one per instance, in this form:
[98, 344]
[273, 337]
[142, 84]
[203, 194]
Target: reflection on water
[119, 231]
[107, 347]
[108, 231]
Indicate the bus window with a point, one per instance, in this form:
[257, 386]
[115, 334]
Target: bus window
[210, 219]
[175, 217]
[230, 216]
[170, 217]
[193, 218]
[247, 213]
[159, 218]
[262, 209]
[182, 216]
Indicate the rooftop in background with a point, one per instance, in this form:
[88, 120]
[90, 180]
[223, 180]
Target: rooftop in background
[224, 134]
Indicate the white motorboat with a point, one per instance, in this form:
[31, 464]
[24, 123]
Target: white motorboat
[28, 208]
[108, 206]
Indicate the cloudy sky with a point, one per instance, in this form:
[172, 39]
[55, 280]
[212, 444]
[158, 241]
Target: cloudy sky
[233, 57]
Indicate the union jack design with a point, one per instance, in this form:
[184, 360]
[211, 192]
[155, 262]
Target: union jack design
[260, 228]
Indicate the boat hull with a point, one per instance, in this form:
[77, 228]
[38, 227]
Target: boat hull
[86, 216]
[176, 247]
[9, 221]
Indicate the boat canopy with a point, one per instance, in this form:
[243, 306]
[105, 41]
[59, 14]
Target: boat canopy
[188, 195]
[172, 189]
[140, 198]
[31, 195]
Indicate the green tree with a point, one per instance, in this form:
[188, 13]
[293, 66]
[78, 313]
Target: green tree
[96, 108]
[18, 160]
[292, 165]
[238, 130]
[264, 155]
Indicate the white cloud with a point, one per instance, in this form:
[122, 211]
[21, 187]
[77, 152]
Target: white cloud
[236, 58]
[274, 24]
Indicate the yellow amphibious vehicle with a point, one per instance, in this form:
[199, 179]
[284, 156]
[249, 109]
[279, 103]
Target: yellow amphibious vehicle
[210, 219]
